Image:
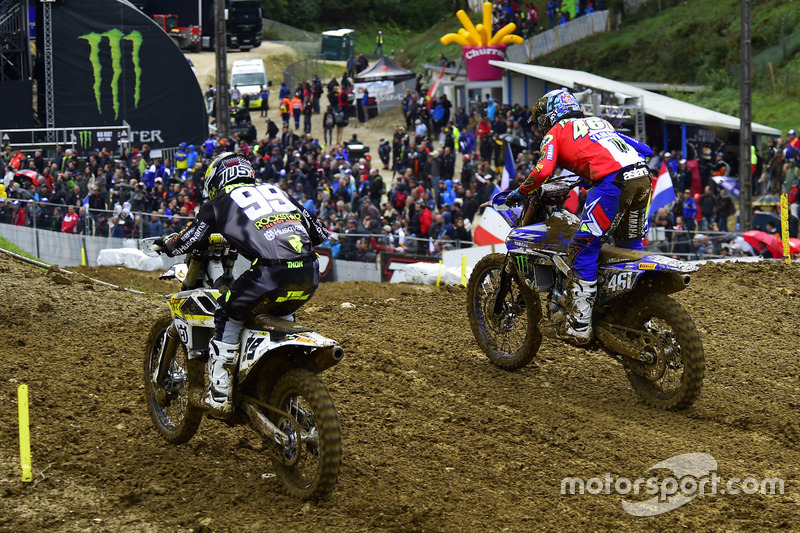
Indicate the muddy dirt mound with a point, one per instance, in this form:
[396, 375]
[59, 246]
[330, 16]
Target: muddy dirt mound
[435, 437]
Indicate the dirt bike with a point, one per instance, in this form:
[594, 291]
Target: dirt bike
[634, 319]
[277, 389]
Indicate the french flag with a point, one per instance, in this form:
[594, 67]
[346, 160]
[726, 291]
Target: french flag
[663, 193]
[509, 170]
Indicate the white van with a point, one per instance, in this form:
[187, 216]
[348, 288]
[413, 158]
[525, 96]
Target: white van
[249, 75]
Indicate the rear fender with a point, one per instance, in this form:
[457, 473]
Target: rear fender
[307, 350]
[621, 279]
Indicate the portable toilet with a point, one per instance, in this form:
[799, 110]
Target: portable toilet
[338, 45]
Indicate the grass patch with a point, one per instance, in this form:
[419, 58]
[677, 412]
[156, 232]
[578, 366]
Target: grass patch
[11, 247]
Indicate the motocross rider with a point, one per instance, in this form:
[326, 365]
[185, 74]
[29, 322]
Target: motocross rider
[270, 229]
[616, 203]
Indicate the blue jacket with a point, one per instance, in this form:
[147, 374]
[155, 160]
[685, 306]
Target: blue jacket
[191, 156]
[689, 208]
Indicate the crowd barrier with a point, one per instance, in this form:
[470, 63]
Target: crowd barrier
[70, 250]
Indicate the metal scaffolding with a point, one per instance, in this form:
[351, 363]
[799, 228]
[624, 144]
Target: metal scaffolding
[14, 54]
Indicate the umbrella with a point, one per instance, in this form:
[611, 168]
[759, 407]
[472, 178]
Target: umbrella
[514, 140]
[30, 174]
[729, 184]
[760, 220]
[774, 244]
[767, 200]
[794, 245]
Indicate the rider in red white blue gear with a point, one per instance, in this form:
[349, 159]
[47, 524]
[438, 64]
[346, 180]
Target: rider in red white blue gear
[616, 204]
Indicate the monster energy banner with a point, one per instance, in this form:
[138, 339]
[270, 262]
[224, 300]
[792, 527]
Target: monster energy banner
[87, 141]
[113, 63]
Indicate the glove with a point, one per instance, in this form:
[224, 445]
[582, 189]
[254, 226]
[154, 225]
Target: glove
[158, 245]
[515, 197]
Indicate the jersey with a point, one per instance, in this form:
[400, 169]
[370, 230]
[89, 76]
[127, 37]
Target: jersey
[260, 222]
[589, 147]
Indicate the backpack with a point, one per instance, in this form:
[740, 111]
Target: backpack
[400, 200]
[329, 119]
[284, 107]
[340, 118]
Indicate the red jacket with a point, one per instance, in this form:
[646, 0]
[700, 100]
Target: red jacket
[18, 217]
[70, 223]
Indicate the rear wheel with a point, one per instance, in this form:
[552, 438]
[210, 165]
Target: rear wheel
[510, 338]
[309, 463]
[174, 416]
[674, 380]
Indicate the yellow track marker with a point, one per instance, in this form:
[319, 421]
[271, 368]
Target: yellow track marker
[24, 433]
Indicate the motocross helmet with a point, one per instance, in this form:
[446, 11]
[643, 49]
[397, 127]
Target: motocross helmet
[554, 106]
[228, 168]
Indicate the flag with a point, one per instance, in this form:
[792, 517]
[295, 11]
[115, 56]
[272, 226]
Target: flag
[573, 201]
[727, 183]
[663, 193]
[434, 87]
[509, 170]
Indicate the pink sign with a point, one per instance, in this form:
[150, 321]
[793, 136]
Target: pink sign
[477, 60]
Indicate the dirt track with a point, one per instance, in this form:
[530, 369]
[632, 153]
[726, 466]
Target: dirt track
[435, 438]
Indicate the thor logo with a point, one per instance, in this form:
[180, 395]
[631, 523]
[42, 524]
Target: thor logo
[115, 38]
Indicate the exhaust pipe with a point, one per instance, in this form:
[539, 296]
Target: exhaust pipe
[326, 358]
[686, 279]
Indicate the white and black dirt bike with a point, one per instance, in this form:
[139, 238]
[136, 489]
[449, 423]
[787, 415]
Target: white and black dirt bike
[277, 389]
[634, 320]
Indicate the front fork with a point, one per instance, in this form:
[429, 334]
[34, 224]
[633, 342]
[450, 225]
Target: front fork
[169, 346]
[502, 290]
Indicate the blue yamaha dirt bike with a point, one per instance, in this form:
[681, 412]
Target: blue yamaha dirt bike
[634, 319]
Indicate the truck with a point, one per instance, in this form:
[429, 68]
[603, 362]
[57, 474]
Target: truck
[243, 26]
[187, 37]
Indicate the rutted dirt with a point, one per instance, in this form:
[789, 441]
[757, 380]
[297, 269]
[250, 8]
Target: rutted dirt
[435, 438]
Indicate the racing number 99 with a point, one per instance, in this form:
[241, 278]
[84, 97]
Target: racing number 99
[261, 201]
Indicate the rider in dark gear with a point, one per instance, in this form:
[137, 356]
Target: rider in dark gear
[270, 229]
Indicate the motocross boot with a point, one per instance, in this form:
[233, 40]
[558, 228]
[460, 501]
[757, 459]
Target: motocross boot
[221, 363]
[578, 326]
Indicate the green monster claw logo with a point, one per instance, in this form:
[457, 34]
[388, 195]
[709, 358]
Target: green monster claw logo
[296, 243]
[85, 138]
[115, 38]
[522, 264]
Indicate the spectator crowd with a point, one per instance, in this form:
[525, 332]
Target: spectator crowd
[420, 195]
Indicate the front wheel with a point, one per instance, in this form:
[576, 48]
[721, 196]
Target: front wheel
[174, 416]
[506, 330]
[674, 380]
[308, 463]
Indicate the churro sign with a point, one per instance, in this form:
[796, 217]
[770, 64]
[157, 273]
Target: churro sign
[479, 46]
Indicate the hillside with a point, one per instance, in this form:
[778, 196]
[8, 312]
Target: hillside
[690, 42]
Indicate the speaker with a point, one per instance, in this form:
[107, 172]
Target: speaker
[17, 98]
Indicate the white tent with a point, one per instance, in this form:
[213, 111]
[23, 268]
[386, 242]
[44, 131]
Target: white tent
[656, 105]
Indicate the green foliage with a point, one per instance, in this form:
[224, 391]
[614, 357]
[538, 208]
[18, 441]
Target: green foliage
[5, 244]
[415, 14]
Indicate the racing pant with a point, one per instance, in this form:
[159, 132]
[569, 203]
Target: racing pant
[276, 287]
[615, 206]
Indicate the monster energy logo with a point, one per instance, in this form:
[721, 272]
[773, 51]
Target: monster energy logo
[115, 38]
[85, 138]
[522, 264]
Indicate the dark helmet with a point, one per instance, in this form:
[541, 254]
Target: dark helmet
[228, 168]
[554, 106]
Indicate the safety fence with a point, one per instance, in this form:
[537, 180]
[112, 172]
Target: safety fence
[558, 37]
